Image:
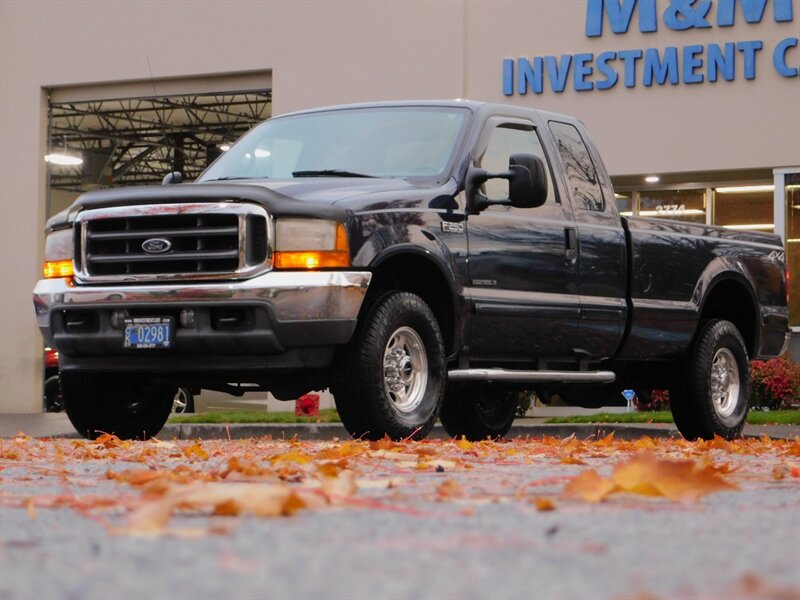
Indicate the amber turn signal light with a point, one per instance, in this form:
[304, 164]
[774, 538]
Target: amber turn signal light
[319, 259]
[316, 259]
[58, 268]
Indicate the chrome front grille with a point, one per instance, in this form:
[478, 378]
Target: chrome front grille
[172, 241]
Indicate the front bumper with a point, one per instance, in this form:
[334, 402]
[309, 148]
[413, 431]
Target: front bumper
[273, 313]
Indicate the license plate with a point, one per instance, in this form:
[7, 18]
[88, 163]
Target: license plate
[148, 332]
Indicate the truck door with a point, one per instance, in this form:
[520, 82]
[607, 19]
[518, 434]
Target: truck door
[601, 253]
[522, 273]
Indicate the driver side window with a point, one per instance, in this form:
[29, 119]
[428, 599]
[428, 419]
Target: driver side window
[507, 139]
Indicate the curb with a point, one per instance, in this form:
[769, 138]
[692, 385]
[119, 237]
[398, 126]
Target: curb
[330, 431]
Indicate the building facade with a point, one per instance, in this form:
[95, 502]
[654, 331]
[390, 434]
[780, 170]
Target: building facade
[694, 104]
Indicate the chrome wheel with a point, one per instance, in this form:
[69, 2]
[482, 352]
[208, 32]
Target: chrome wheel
[405, 369]
[181, 401]
[725, 382]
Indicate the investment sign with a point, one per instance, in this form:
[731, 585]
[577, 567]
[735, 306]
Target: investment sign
[689, 64]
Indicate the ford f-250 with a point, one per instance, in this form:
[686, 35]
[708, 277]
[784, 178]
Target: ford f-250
[421, 259]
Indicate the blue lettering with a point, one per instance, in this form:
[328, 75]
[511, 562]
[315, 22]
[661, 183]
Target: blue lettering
[611, 76]
[558, 73]
[749, 50]
[691, 63]
[753, 11]
[508, 77]
[620, 13]
[581, 71]
[529, 76]
[654, 67]
[682, 14]
[629, 58]
[779, 58]
[719, 62]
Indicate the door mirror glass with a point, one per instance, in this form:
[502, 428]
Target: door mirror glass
[527, 184]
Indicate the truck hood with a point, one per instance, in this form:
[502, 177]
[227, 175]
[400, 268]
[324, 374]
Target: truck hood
[305, 197]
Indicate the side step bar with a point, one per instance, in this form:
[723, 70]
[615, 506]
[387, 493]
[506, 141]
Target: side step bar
[534, 376]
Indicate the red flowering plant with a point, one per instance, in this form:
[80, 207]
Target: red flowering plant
[775, 384]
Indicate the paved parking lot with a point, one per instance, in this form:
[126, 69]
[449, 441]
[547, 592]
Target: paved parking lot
[438, 519]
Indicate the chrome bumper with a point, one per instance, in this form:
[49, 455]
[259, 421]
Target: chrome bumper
[290, 296]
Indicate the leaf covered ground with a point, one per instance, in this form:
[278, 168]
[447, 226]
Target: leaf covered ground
[191, 489]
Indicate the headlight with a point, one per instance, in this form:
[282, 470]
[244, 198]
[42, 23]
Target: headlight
[58, 254]
[310, 244]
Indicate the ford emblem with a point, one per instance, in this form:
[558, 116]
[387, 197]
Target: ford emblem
[156, 246]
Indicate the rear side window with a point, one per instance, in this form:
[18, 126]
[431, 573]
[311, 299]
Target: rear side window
[582, 179]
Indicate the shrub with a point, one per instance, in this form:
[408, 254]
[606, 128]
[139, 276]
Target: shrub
[775, 384]
[651, 401]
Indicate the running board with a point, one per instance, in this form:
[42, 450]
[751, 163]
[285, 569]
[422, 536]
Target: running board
[533, 376]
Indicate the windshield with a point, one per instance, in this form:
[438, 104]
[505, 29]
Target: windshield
[372, 142]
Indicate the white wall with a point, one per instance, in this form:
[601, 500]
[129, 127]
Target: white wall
[327, 52]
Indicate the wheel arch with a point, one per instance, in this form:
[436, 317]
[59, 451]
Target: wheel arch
[421, 272]
[730, 296]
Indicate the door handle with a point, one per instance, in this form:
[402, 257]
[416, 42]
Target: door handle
[571, 249]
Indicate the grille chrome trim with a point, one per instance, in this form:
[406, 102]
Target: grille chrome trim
[239, 254]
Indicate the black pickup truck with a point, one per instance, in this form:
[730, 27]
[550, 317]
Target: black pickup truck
[421, 259]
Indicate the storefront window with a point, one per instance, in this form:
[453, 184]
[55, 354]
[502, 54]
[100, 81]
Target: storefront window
[681, 205]
[792, 183]
[744, 207]
[624, 203]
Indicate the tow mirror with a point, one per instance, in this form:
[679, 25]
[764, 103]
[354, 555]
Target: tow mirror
[527, 184]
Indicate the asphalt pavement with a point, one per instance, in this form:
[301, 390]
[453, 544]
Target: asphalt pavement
[58, 540]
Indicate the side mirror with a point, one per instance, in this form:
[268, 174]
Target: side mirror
[527, 184]
[170, 178]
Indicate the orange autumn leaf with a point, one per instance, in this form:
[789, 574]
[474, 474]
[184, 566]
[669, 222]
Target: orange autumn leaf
[450, 489]
[464, 443]
[606, 441]
[292, 456]
[571, 459]
[543, 504]
[681, 480]
[590, 486]
[195, 451]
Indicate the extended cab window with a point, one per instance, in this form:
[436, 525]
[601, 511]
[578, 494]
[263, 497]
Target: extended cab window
[582, 179]
[507, 139]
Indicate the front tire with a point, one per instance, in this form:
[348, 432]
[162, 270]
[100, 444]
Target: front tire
[713, 397]
[390, 379]
[126, 407]
[478, 411]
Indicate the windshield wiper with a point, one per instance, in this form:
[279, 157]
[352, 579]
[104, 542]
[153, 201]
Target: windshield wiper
[328, 173]
[233, 178]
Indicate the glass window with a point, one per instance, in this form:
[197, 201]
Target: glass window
[681, 205]
[624, 203]
[379, 142]
[581, 174]
[508, 139]
[792, 183]
[745, 207]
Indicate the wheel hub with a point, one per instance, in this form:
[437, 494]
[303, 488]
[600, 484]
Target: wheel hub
[725, 383]
[405, 369]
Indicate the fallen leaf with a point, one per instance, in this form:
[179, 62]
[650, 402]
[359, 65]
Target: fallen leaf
[590, 486]
[543, 504]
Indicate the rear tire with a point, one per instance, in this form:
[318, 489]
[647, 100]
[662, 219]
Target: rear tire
[127, 408]
[713, 397]
[477, 411]
[390, 379]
